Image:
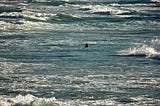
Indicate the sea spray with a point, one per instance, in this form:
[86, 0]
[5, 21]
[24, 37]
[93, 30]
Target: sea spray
[27, 100]
[148, 49]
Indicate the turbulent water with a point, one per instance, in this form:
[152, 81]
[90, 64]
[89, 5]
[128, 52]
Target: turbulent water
[44, 61]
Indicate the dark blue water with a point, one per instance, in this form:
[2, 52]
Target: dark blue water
[44, 61]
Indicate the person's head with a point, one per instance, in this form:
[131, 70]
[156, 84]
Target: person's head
[86, 45]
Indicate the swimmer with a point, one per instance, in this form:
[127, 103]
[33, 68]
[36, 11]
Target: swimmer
[86, 45]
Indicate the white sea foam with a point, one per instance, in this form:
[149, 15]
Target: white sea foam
[140, 51]
[35, 101]
[27, 99]
[36, 15]
[8, 67]
[155, 0]
[155, 42]
[104, 8]
[144, 99]
[150, 49]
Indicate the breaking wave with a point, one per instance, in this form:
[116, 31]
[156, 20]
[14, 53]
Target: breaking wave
[27, 100]
[149, 50]
[104, 9]
[155, 1]
[30, 100]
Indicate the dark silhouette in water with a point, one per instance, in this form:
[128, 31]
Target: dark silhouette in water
[86, 45]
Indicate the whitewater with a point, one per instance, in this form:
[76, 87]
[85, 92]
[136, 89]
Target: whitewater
[44, 60]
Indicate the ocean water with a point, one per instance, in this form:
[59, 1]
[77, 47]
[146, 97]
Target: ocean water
[44, 61]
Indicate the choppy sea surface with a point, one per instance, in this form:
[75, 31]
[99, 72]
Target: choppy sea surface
[44, 61]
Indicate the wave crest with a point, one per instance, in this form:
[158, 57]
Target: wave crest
[150, 51]
[64, 17]
[28, 100]
[155, 1]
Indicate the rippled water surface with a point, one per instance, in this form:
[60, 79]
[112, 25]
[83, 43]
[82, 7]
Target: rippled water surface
[44, 61]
